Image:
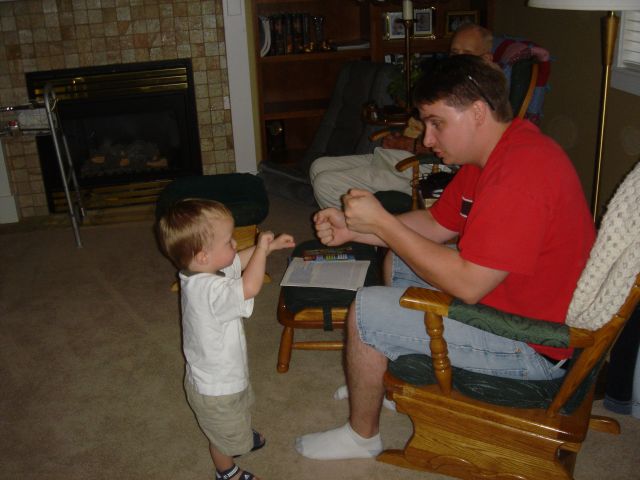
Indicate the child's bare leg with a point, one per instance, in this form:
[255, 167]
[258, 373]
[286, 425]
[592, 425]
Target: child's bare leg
[223, 462]
[220, 460]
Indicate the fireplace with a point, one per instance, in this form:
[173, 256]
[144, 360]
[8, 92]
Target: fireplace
[127, 124]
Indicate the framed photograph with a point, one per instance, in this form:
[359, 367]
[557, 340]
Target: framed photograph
[455, 20]
[393, 26]
[423, 22]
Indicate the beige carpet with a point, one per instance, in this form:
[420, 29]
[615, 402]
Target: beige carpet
[91, 370]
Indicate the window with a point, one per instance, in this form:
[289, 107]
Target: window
[625, 73]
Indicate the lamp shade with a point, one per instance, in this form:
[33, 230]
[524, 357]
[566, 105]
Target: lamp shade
[586, 4]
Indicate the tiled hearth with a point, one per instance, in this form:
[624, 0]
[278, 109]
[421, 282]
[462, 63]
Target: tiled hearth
[38, 35]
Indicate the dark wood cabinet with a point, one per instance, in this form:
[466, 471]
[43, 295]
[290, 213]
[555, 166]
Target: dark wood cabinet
[294, 88]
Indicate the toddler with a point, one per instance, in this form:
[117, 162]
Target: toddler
[217, 286]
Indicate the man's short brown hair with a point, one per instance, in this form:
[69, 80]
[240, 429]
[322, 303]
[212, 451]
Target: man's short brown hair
[460, 80]
[188, 227]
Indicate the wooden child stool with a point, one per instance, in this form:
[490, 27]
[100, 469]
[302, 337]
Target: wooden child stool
[318, 308]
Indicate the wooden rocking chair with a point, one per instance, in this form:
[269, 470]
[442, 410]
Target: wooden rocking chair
[470, 425]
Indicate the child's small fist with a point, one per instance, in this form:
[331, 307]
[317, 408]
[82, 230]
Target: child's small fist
[284, 240]
[265, 238]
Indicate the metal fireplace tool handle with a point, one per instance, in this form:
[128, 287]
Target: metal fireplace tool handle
[65, 163]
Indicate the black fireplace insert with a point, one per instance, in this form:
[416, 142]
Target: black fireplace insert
[124, 124]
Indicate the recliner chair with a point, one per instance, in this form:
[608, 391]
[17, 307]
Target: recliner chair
[342, 130]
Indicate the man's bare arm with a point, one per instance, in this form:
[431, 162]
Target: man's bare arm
[417, 238]
[441, 266]
[332, 230]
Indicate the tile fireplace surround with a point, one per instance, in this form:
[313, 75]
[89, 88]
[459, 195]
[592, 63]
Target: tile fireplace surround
[38, 35]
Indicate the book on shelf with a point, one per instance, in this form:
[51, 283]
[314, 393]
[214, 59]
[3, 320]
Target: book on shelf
[289, 33]
[297, 37]
[265, 35]
[306, 30]
[287, 20]
[278, 35]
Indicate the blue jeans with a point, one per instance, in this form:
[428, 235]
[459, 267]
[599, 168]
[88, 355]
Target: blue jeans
[394, 331]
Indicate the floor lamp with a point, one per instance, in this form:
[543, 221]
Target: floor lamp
[407, 20]
[609, 34]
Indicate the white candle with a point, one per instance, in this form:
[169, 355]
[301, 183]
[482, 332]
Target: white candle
[407, 10]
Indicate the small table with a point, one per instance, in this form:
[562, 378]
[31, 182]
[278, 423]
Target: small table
[318, 308]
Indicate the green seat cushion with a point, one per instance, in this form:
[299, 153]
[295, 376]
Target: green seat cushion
[243, 193]
[417, 369]
[298, 298]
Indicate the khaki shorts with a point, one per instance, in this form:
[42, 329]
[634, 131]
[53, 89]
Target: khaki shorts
[224, 419]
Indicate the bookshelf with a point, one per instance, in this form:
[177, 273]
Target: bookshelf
[294, 87]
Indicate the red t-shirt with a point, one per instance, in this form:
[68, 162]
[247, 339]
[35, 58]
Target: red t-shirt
[524, 213]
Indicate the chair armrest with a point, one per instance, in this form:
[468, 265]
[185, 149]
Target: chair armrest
[379, 134]
[402, 165]
[491, 320]
[385, 132]
[426, 300]
[435, 305]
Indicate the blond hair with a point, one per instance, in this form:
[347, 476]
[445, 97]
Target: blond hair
[188, 227]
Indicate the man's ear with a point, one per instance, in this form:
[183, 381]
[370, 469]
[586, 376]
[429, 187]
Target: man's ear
[487, 56]
[480, 111]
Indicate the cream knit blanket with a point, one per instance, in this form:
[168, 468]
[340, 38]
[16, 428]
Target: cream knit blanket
[614, 261]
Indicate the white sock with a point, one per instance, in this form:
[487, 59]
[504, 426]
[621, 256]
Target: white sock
[343, 392]
[338, 444]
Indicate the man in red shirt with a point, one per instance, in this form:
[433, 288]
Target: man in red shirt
[524, 230]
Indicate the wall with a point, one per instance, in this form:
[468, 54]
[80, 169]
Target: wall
[40, 35]
[240, 55]
[571, 109]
